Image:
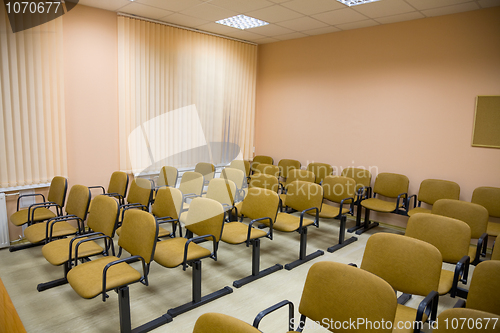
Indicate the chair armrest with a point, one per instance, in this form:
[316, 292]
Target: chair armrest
[352, 264]
[459, 304]
[119, 261]
[270, 232]
[461, 274]
[33, 207]
[213, 255]
[93, 236]
[28, 195]
[316, 219]
[404, 201]
[481, 247]
[428, 306]
[342, 204]
[49, 227]
[131, 206]
[367, 190]
[273, 308]
[414, 196]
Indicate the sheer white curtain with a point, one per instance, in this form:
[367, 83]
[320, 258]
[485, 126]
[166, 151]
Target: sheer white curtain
[32, 125]
[184, 97]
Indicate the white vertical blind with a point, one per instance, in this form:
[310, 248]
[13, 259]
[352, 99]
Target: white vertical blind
[32, 125]
[184, 97]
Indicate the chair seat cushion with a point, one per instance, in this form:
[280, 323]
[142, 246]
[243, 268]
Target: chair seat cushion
[405, 314]
[57, 252]
[21, 217]
[329, 211]
[445, 282]
[379, 205]
[36, 233]
[162, 232]
[418, 210]
[86, 279]
[288, 222]
[237, 232]
[170, 252]
[493, 229]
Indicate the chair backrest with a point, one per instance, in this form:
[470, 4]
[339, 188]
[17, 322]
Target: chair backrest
[236, 175]
[299, 174]
[432, 190]
[57, 190]
[118, 183]
[221, 323]
[103, 215]
[205, 217]
[320, 170]
[261, 180]
[141, 190]
[476, 216]
[168, 202]
[168, 176]
[78, 201]
[263, 159]
[450, 236]
[268, 169]
[259, 203]
[191, 182]
[409, 265]
[391, 184]
[484, 290]
[488, 197]
[242, 165]
[303, 195]
[362, 177]
[464, 321]
[338, 188]
[206, 169]
[286, 165]
[138, 235]
[495, 255]
[374, 299]
[222, 190]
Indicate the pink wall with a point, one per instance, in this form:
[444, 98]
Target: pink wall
[398, 97]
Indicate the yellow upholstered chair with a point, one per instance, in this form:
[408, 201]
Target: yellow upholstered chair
[320, 170]
[476, 216]
[410, 266]
[432, 190]
[39, 212]
[452, 238]
[489, 197]
[293, 175]
[259, 205]
[220, 323]
[205, 218]
[166, 208]
[102, 220]
[167, 177]
[207, 170]
[238, 177]
[389, 185]
[191, 185]
[339, 190]
[466, 321]
[117, 188]
[260, 159]
[495, 253]
[286, 165]
[262, 181]
[76, 210]
[484, 289]
[328, 299]
[268, 169]
[363, 179]
[139, 196]
[90, 279]
[242, 165]
[303, 197]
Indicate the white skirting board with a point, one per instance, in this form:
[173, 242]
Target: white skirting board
[4, 227]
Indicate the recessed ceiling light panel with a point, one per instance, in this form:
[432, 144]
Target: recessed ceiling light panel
[242, 22]
[351, 3]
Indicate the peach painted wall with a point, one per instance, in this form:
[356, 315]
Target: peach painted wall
[398, 97]
[91, 98]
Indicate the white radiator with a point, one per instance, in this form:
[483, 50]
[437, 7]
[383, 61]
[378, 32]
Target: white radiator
[4, 227]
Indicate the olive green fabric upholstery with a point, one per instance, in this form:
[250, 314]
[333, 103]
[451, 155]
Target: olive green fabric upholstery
[489, 197]
[140, 191]
[484, 291]
[168, 203]
[138, 237]
[168, 176]
[328, 293]
[476, 216]
[206, 169]
[362, 177]
[221, 323]
[57, 194]
[268, 169]
[263, 159]
[261, 180]
[409, 265]
[286, 165]
[320, 170]
[451, 320]
[191, 183]
[336, 189]
[241, 165]
[118, 183]
[78, 205]
[432, 190]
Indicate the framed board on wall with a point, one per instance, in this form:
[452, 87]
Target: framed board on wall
[486, 131]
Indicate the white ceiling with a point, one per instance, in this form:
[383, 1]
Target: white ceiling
[288, 19]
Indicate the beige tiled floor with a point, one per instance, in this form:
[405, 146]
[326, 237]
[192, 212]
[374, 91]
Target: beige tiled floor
[62, 310]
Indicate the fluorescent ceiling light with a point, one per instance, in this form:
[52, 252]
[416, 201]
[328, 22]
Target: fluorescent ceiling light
[351, 3]
[242, 22]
